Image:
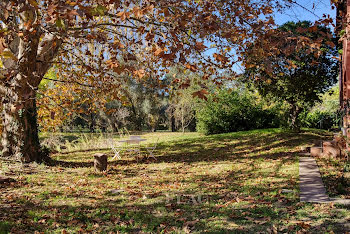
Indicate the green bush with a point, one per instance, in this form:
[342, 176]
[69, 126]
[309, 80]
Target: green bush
[234, 111]
[5, 227]
[321, 120]
[324, 115]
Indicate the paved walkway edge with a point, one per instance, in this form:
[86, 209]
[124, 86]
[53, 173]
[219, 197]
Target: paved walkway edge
[311, 184]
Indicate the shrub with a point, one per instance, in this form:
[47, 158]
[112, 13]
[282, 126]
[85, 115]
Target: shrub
[324, 115]
[321, 119]
[230, 111]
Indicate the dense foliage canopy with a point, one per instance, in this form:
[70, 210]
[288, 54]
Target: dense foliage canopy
[299, 74]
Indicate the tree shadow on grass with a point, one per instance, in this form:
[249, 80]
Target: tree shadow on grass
[253, 207]
[156, 217]
[249, 146]
[217, 148]
[87, 164]
[83, 151]
[69, 164]
[216, 214]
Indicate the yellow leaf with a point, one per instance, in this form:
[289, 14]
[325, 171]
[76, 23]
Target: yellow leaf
[33, 3]
[72, 3]
[8, 55]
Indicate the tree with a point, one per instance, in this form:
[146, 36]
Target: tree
[183, 97]
[35, 35]
[182, 110]
[51, 103]
[298, 70]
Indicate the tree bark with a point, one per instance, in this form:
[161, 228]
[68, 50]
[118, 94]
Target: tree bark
[92, 123]
[32, 54]
[20, 134]
[294, 117]
[173, 125]
[172, 119]
[182, 120]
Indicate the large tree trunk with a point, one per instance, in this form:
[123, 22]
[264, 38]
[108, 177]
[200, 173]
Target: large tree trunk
[294, 117]
[32, 51]
[20, 134]
[173, 125]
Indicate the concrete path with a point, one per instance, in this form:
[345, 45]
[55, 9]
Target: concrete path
[311, 185]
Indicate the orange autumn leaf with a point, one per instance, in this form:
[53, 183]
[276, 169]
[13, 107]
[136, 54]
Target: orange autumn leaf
[202, 94]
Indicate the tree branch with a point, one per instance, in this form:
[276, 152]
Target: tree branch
[102, 24]
[65, 81]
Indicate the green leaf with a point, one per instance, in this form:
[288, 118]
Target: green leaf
[342, 33]
[100, 10]
[60, 23]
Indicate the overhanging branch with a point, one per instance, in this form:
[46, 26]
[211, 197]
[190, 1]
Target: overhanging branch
[65, 81]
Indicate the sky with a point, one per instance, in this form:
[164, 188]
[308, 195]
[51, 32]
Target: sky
[307, 10]
[310, 10]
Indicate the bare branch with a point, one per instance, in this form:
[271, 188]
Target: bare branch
[101, 25]
[73, 81]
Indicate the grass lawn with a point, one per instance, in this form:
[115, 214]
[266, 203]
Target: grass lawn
[332, 175]
[232, 182]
